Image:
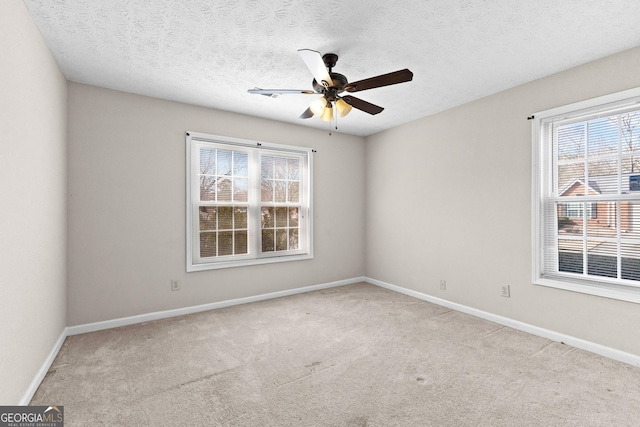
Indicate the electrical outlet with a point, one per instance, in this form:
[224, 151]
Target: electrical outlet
[443, 285]
[506, 291]
[175, 285]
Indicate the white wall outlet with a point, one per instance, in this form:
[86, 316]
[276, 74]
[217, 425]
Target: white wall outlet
[443, 285]
[175, 285]
[506, 291]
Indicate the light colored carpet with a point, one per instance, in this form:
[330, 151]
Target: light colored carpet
[357, 355]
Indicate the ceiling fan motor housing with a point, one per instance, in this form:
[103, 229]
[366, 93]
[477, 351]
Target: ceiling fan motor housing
[339, 82]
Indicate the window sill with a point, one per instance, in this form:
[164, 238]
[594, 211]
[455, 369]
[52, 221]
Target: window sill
[246, 262]
[618, 292]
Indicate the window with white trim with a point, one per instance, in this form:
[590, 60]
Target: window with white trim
[586, 196]
[248, 202]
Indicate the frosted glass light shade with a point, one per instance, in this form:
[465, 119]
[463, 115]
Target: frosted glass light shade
[327, 114]
[317, 105]
[343, 108]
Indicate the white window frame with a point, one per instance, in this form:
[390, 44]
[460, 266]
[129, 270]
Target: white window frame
[541, 188]
[196, 140]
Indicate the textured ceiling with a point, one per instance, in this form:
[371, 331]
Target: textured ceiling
[209, 52]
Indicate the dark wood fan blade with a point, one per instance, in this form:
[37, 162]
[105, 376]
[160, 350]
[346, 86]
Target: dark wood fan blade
[276, 92]
[307, 114]
[396, 77]
[365, 106]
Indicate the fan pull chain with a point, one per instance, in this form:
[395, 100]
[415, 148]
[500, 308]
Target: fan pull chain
[333, 111]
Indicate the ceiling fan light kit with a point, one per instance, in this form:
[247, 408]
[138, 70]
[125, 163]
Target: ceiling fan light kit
[317, 106]
[330, 85]
[327, 113]
[342, 107]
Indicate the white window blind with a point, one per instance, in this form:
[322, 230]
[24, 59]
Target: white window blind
[587, 196]
[247, 202]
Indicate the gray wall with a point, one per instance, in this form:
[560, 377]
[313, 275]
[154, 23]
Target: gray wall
[454, 202]
[444, 197]
[127, 206]
[33, 208]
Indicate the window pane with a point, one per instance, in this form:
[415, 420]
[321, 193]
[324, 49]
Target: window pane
[224, 190]
[207, 218]
[225, 243]
[266, 170]
[268, 244]
[630, 166]
[570, 256]
[630, 261]
[293, 239]
[241, 242]
[281, 239]
[294, 191]
[630, 248]
[293, 217]
[603, 137]
[280, 191]
[240, 217]
[267, 217]
[293, 169]
[240, 189]
[571, 179]
[630, 130]
[240, 164]
[280, 168]
[207, 161]
[266, 190]
[603, 177]
[225, 217]
[601, 222]
[602, 258]
[224, 162]
[630, 219]
[207, 245]
[567, 222]
[207, 188]
[571, 141]
[281, 217]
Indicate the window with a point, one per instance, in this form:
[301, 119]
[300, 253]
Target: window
[586, 198]
[575, 210]
[247, 202]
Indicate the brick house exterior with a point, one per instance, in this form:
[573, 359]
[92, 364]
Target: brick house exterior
[600, 215]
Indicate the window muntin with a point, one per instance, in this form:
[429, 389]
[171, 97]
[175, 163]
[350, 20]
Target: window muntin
[586, 198]
[248, 202]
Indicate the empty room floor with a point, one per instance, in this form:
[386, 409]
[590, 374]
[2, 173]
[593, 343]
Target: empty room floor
[356, 355]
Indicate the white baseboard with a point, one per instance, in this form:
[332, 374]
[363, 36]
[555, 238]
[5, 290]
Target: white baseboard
[124, 321]
[611, 353]
[108, 324]
[592, 347]
[35, 383]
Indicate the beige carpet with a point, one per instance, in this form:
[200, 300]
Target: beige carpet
[357, 355]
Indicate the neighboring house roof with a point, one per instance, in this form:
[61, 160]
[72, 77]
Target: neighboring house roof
[593, 185]
[596, 184]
